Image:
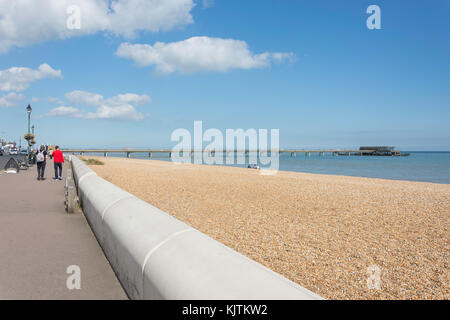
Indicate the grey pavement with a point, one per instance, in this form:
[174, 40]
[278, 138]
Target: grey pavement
[39, 241]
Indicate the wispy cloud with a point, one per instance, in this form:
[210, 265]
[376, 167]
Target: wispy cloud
[95, 99]
[119, 107]
[11, 99]
[48, 99]
[207, 3]
[64, 111]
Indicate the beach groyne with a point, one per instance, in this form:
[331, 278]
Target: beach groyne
[156, 256]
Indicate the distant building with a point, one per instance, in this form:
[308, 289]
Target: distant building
[381, 151]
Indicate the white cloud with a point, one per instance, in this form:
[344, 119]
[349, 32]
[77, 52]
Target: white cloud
[24, 22]
[124, 112]
[129, 98]
[95, 100]
[10, 99]
[117, 107]
[199, 54]
[20, 78]
[65, 111]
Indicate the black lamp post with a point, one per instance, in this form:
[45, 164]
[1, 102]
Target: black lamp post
[29, 115]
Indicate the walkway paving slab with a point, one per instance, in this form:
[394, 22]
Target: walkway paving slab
[39, 241]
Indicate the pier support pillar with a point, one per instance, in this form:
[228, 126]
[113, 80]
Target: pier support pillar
[128, 154]
[150, 155]
[105, 154]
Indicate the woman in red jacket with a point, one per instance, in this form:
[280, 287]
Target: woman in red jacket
[58, 160]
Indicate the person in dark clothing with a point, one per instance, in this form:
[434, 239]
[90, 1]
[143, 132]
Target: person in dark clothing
[58, 160]
[41, 162]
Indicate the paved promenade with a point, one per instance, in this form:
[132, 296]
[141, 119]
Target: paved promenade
[39, 241]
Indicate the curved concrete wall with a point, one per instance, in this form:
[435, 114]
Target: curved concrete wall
[156, 256]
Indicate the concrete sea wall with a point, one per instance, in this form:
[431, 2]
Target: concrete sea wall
[156, 256]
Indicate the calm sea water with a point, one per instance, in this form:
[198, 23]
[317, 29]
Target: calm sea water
[419, 166]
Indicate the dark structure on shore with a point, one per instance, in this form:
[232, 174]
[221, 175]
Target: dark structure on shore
[383, 151]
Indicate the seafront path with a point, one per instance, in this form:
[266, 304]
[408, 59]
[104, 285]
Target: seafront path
[39, 242]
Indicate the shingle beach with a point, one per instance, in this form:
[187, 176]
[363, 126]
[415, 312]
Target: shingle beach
[327, 233]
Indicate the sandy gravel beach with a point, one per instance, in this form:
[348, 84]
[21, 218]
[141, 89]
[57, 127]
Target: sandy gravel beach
[321, 231]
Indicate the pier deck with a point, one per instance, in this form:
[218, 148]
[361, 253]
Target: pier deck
[150, 152]
[39, 241]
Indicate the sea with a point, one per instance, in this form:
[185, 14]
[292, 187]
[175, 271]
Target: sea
[419, 166]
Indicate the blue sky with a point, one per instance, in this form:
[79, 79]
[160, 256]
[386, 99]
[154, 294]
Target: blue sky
[335, 84]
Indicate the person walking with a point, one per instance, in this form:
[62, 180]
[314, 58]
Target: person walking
[58, 160]
[41, 162]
